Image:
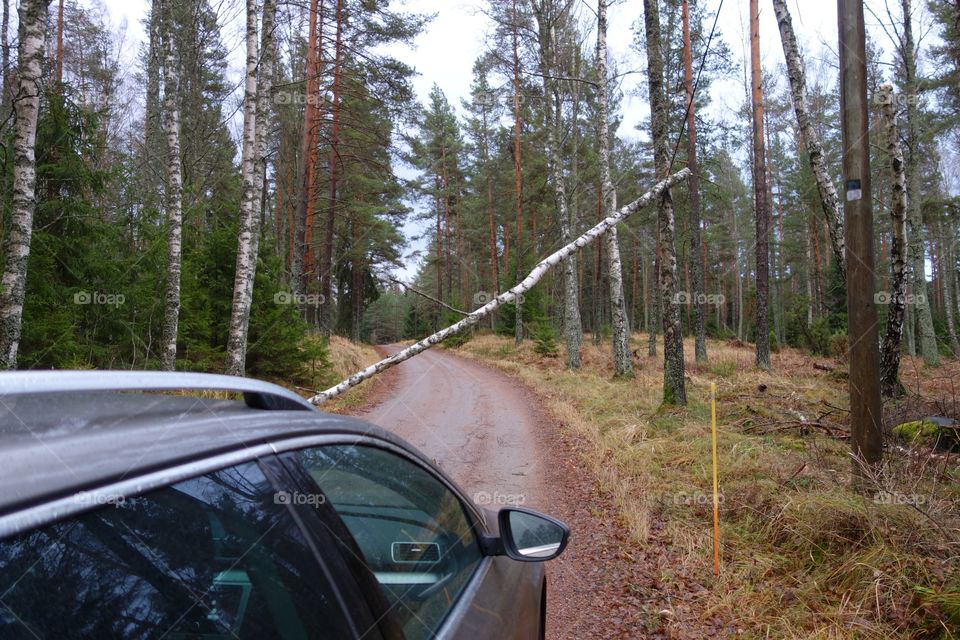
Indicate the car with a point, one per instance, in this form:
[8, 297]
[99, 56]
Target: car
[161, 505]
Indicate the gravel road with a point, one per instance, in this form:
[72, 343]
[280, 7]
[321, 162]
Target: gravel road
[489, 433]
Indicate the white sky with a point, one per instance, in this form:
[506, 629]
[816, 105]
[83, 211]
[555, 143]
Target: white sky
[445, 52]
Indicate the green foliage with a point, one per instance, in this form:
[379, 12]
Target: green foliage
[545, 340]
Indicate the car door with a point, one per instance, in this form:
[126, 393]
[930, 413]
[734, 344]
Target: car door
[421, 543]
[214, 557]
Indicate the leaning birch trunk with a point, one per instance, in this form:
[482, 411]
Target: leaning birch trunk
[798, 89]
[622, 360]
[538, 272]
[174, 194]
[572, 327]
[253, 161]
[33, 22]
[674, 383]
[890, 385]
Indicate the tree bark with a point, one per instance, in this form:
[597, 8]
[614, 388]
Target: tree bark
[696, 250]
[674, 384]
[811, 139]
[890, 385]
[517, 172]
[257, 87]
[760, 192]
[622, 357]
[572, 327]
[301, 264]
[60, 43]
[32, 35]
[326, 272]
[537, 274]
[921, 303]
[174, 193]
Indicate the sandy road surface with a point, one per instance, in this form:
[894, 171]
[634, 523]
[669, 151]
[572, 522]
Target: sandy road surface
[474, 422]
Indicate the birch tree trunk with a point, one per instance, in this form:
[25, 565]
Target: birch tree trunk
[696, 250]
[5, 50]
[760, 193]
[890, 385]
[257, 87]
[921, 302]
[174, 192]
[798, 89]
[622, 360]
[674, 384]
[32, 35]
[572, 327]
[537, 274]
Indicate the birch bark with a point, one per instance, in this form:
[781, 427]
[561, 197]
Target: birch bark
[174, 193]
[253, 163]
[798, 89]
[33, 22]
[622, 360]
[538, 272]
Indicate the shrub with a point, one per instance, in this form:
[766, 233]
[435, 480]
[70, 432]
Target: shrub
[545, 340]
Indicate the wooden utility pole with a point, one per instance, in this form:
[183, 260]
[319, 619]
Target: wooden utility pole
[760, 192]
[864, 355]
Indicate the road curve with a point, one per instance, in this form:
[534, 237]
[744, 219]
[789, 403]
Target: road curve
[476, 423]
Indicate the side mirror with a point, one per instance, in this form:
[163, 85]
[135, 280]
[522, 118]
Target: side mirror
[529, 536]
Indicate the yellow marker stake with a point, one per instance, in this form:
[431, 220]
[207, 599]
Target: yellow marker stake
[716, 493]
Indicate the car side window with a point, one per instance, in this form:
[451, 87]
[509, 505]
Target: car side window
[210, 558]
[413, 531]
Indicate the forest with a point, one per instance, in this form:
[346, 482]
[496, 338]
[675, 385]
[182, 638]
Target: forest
[155, 238]
[258, 188]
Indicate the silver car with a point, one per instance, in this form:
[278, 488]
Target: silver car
[127, 513]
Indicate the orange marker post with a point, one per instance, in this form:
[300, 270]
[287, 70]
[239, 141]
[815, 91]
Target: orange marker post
[716, 491]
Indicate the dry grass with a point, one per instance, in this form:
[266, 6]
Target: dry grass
[803, 554]
[344, 359]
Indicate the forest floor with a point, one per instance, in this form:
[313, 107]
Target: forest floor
[803, 555]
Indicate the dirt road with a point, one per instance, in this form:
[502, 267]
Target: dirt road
[489, 433]
[474, 422]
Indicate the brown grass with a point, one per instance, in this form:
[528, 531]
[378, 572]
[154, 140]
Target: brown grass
[803, 554]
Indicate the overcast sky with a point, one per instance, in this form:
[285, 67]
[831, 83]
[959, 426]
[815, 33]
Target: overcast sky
[444, 54]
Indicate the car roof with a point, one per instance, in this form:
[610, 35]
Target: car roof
[59, 434]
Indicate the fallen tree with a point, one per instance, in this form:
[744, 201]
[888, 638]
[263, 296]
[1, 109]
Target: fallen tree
[506, 297]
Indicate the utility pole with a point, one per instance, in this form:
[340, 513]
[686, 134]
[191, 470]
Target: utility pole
[864, 354]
